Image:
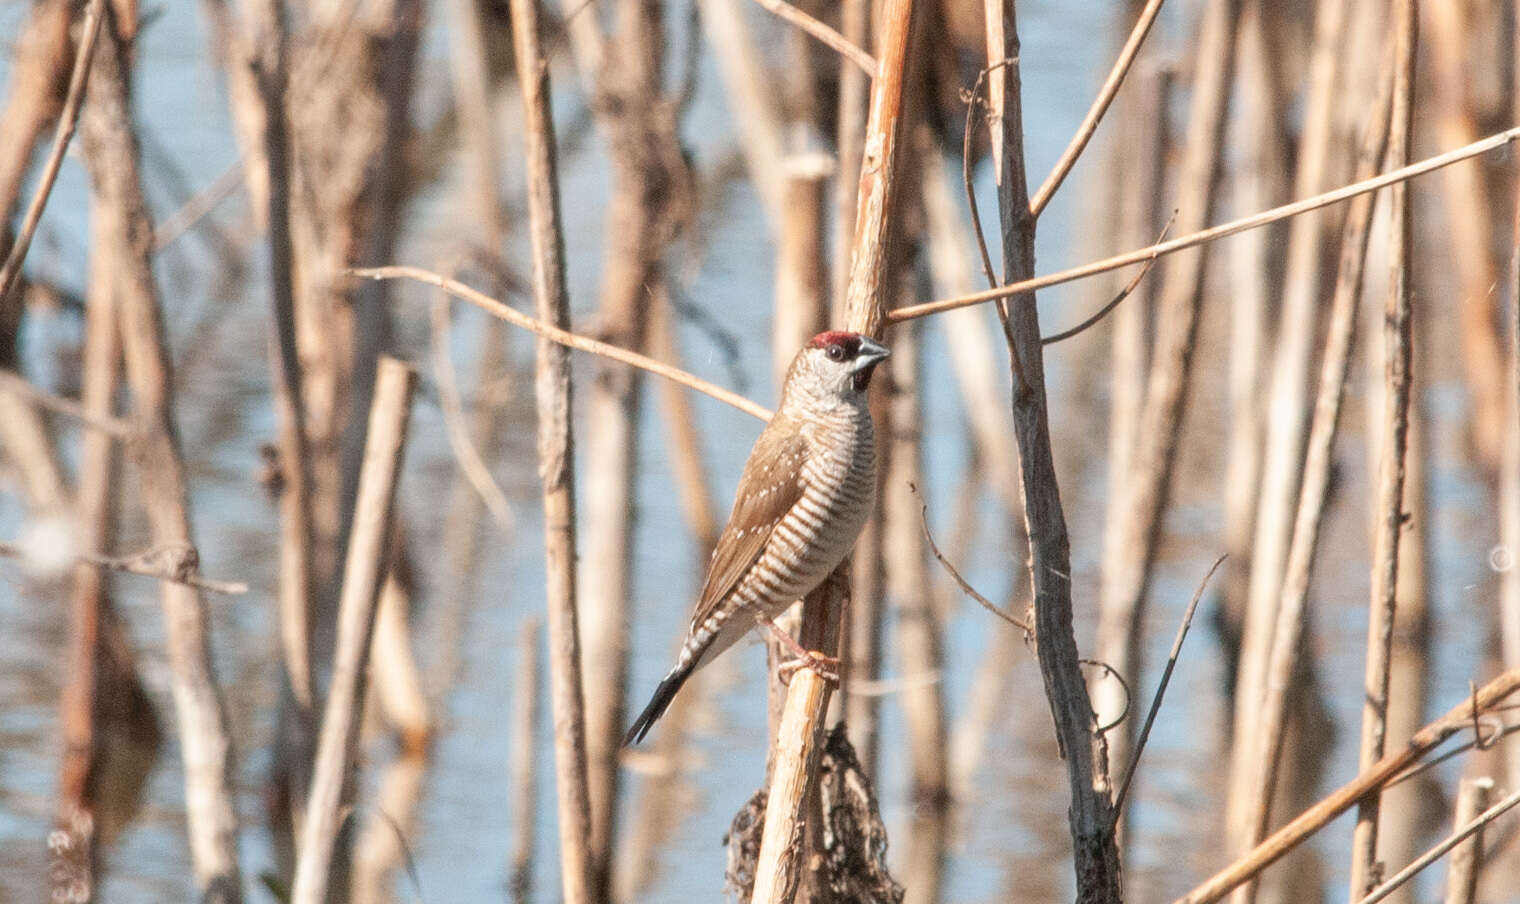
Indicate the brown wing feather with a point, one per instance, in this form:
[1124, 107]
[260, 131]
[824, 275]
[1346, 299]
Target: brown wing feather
[768, 489]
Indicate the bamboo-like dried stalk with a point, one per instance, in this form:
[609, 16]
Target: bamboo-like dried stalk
[1258, 181]
[779, 869]
[1395, 426]
[864, 308]
[1091, 819]
[1459, 718]
[1271, 715]
[801, 300]
[1509, 474]
[1471, 829]
[1212, 233]
[919, 642]
[1128, 567]
[363, 575]
[849, 144]
[112, 159]
[556, 457]
[37, 80]
[1286, 401]
[1467, 857]
[1468, 226]
[755, 105]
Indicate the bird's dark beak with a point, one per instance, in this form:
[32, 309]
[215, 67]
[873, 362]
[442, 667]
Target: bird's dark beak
[870, 354]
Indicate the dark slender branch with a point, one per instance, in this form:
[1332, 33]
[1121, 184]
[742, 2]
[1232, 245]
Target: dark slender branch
[1166, 678]
[923, 515]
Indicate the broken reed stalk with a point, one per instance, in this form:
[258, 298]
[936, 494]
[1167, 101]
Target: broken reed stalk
[778, 871]
[556, 457]
[1395, 426]
[1467, 857]
[363, 574]
[1282, 658]
[111, 156]
[1459, 718]
[1090, 816]
[10, 271]
[1147, 487]
[864, 310]
[1203, 236]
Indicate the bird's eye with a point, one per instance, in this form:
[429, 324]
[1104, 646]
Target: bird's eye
[836, 353]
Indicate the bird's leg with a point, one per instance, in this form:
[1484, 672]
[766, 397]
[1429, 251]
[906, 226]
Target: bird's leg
[825, 667]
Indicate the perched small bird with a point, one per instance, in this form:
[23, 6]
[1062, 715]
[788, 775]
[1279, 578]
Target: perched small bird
[805, 494]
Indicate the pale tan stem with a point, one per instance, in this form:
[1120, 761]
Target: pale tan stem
[363, 574]
[1467, 857]
[778, 870]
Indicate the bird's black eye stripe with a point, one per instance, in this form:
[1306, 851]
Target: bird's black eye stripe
[836, 353]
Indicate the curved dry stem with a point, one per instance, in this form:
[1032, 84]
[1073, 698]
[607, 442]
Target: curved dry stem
[563, 337]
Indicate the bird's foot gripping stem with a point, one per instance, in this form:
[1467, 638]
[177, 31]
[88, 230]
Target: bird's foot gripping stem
[825, 667]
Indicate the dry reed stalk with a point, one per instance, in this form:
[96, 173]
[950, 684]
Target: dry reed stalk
[1258, 182]
[522, 766]
[1467, 858]
[639, 125]
[1395, 427]
[96, 506]
[1509, 474]
[801, 298]
[755, 105]
[1286, 401]
[849, 144]
[363, 577]
[683, 430]
[479, 123]
[1091, 818]
[778, 872]
[1213, 233]
[822, 32]
[974, 364]
[1458, 719]
[864, 305]
[1147, 128]
[1401, 879]
[556, 457]
[112, 159]
[1271, 712]
[1127, 570]
[38, 80]
[919, 641]
[1106, 94]
[1469, 228]
[34, 120]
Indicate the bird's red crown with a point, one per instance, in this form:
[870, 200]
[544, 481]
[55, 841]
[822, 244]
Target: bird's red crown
[850, 342]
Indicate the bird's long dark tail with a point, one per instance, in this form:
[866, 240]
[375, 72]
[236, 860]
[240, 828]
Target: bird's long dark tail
[663, 694]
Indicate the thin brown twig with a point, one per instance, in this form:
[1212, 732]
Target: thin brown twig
[1114, 302]
[198, 206]
[1403, 876]
[1254, 221]
[563, 337]
[64, 132]
[824, 33]
[976, 218]
[966, 588]
[1166, 677]
[115, 426]
[1099, 107]
[174, 563]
